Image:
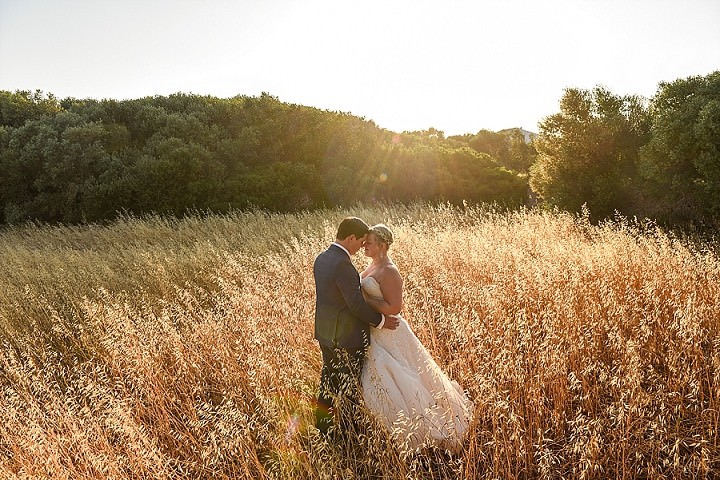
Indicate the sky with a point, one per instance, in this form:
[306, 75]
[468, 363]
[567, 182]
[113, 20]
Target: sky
[458, 66]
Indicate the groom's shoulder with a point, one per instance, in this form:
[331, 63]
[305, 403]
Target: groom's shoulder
[333, 250]
[327, 255]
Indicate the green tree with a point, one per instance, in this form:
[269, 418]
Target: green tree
[47, 165]
[23, 153]
[682, 159]
[113, 188]
[491, 143]
[466, 175]
[521, 153]
[508, 147]
[18, 107]
[588, 153]
[84, 159]
[283, 186]
[173, 176]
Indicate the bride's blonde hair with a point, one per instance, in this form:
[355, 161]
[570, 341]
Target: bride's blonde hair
[383, 233]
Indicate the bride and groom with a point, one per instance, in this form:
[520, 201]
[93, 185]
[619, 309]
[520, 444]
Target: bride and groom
[369, 350]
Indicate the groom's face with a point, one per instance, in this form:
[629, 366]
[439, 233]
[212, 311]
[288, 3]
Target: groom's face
[356, 244]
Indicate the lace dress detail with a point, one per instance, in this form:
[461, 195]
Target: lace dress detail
[406, 391]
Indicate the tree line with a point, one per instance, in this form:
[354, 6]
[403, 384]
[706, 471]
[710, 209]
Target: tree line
[657, 158]
[86, 160]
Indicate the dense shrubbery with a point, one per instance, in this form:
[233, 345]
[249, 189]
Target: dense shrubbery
[84, 160]
[657, 159]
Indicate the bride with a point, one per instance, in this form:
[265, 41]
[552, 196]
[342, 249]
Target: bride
[402, 386]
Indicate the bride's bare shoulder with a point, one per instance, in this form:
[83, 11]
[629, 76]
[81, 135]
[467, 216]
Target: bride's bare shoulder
[391, 273]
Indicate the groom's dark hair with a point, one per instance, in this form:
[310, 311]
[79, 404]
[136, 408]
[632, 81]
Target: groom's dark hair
[352, 226]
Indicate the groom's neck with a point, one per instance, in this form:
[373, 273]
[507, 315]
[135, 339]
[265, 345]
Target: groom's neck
[345, 244]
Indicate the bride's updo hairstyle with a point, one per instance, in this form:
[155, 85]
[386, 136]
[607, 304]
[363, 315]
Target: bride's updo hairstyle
[383, 233]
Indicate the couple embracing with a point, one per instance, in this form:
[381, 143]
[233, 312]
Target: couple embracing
[369, 351]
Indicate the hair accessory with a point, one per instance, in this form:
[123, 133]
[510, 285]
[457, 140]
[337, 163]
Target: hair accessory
[383, 233]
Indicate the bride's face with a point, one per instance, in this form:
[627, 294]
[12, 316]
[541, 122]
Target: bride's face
[372, 246]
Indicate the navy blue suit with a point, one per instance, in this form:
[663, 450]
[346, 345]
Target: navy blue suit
[342, 326]
[342, 318]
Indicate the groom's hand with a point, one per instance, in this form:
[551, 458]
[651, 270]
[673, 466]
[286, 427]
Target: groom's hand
[391, 323]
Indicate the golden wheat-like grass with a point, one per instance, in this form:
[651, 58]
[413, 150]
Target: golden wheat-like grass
[157, 348]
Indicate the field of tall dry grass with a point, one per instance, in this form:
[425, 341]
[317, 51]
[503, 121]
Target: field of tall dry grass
[156, 348]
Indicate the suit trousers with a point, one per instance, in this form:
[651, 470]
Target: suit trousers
[339, 383]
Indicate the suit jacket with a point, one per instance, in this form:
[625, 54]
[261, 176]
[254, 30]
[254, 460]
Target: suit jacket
[342, 318]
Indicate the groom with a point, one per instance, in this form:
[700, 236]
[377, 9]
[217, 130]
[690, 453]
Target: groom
[342, 320]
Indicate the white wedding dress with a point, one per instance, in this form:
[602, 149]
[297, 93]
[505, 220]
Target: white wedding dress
[406, 391]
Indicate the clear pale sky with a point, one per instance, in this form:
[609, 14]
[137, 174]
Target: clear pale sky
[456, 65]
